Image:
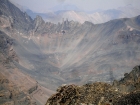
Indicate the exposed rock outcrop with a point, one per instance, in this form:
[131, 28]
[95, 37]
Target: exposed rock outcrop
[132, 98]
[130, 82]
[125, 91]
[11, 94]
[39, 24]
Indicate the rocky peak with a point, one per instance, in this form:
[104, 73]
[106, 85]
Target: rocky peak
[88, 23]
[38, 20]
[130, 82]
[138, 20]
[100, 93]
[38, 24]
[133, 75]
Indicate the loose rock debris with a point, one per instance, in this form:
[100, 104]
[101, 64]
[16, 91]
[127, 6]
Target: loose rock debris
[123, 92]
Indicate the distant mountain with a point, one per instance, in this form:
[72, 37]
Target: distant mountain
[43, 15]
[94, 17]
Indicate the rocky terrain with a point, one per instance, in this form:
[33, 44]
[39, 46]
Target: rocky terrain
[39, 56]
[123, 92]
[16, 86]
[10, 94]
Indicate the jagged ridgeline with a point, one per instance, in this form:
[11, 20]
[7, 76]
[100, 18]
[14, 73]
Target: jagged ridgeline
[70, 52]
[123, 92]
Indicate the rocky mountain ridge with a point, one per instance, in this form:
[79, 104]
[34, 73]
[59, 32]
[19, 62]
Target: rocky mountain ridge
[25, 89]
[65, 53]
[56, 46]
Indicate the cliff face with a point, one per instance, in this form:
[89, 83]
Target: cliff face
[11, 94]
[17, 19]
[101, 93]
[130, 82]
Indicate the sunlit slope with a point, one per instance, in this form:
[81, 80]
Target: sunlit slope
[70, 52]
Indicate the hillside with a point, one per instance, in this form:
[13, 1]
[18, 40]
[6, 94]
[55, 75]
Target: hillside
[40, 56]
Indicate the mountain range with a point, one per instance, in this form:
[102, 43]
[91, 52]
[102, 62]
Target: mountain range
[98, 16]
[39, 56]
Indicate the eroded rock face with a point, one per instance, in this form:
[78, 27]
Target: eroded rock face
[130, 82]
[6, 47]
[39, 24]
[17, 19]
[101, 93]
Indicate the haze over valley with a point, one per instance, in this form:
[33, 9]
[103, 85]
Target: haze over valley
[39, 54]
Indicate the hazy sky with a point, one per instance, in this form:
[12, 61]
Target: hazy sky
[85, 5]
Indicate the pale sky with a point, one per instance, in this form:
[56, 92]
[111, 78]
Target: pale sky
[85, 5]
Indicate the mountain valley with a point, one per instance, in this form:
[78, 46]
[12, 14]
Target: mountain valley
[38, 56]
